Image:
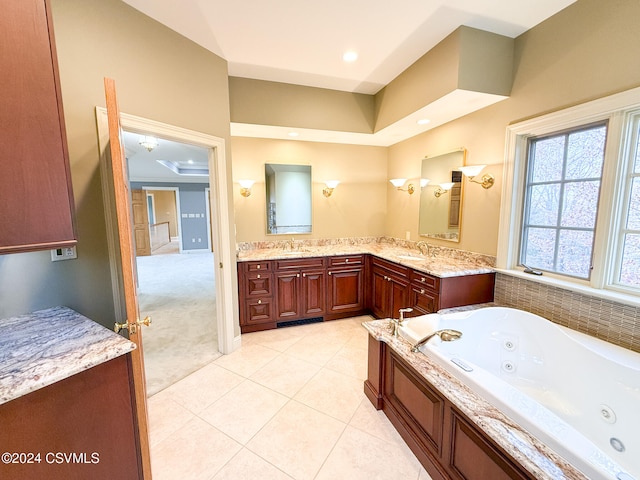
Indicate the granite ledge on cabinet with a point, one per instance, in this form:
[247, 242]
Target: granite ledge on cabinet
[439, 266]
[534, 456]
[43, 347]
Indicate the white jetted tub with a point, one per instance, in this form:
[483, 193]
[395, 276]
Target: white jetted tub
[578, 394]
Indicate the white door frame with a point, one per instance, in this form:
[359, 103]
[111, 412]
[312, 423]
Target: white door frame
[222, 219]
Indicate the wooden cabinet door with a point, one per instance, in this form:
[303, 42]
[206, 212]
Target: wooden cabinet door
[422, 301]
[398, 295]
[313, 293]
[37, 208]
[287, 296]
[380, 293]
[346, 290]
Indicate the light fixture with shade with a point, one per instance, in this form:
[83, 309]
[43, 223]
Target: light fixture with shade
[330, 185]
[443, 188]
[149, 142]
[246, 185]
[424, 182]
[399, 182]
[471, 171]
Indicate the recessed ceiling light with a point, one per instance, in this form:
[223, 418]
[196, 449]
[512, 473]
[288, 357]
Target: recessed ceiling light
[423, 121]
[350, 56]
[293, 134]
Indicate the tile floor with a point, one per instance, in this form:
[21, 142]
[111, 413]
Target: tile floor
[289, 404]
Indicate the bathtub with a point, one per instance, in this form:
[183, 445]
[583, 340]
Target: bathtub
[577, 394]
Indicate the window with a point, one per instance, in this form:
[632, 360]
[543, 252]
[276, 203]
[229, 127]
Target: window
[564, 173]
[571, 197]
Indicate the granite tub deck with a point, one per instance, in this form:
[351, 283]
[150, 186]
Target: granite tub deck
[439, 265]
[534, 456]
[44, 347]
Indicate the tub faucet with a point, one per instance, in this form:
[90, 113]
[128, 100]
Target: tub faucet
[395, 324]
[445, 335]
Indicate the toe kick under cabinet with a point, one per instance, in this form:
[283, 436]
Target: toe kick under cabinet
[282, 292]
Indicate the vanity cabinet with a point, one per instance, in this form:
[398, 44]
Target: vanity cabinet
[446, 442]
[345, 274]
[300, 287]
[255, 282]
[389, 288]
[37, 208]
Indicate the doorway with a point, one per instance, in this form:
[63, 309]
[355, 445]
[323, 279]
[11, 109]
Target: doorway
[223, 263]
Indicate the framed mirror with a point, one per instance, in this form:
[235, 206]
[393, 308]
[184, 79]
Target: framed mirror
[441, 199]
[288, 201]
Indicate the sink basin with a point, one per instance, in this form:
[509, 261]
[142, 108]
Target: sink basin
[415, 329]
[411, 257]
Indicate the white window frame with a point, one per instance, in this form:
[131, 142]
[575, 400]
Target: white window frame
[615, 109]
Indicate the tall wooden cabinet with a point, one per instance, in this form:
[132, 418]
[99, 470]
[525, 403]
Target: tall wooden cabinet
[37, 208]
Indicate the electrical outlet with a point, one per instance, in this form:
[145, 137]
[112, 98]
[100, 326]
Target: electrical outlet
[66, 253]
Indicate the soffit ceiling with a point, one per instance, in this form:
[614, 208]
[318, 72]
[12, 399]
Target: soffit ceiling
[303, 42]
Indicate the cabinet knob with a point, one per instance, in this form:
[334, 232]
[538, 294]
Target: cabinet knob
[258, 267]
[297, 275]
[422, 290]
[346, 260]
[258, 276]
[259, 302]
[329, 273]
[388, 279]
[422, 279]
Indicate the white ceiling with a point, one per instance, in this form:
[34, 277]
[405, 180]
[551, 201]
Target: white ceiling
[302, 42]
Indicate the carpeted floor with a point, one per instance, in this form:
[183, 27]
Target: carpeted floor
[178, 291]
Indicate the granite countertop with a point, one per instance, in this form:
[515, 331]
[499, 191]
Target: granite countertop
[46, 346]
[538, 459]
[438, 266]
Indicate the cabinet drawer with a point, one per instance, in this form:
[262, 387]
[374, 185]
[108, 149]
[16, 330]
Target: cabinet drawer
[346, 260]
[258, 310]
[423, 279]
[252, 267]
[298, 263]
[390, 266]
[258, 284]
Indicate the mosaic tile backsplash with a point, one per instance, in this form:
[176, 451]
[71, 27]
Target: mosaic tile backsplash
[614, 322]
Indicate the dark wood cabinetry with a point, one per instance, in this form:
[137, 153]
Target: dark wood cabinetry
[37, 208]
[389, 288]
[446, 442]
[346, 284]
[300, 287]
[273, 292]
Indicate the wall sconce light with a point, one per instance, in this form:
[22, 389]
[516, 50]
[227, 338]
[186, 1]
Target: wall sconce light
[424, 182]
[443, 188]
[148, 142]
[472, 170]
[246, 185]
[330, 185]
[399, 182]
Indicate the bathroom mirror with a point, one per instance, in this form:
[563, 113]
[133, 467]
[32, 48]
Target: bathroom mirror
[441, 209]
[288, 202]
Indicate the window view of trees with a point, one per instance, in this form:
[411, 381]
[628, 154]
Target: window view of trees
[561, 201]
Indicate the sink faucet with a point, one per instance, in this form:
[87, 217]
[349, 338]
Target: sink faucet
[395, 324]
[445, 335]
[289, 244]
[423, 247]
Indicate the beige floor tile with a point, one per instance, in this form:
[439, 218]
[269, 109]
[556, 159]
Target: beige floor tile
[333, 393]
[202, 388]
[317, 348]
[285, 374]
[278, 339]
[424, 475]
[350, 360]
[248, 465]
[165, 417]
[359, 456]
[247, 359]
[243, 411]
[195, 452]
[375, 422]
[297, 440]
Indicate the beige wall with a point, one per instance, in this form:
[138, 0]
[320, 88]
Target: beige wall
[586, 51]
[356, 208]
[159, 75]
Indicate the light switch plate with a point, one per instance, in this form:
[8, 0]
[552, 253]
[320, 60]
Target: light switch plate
[65, 253]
